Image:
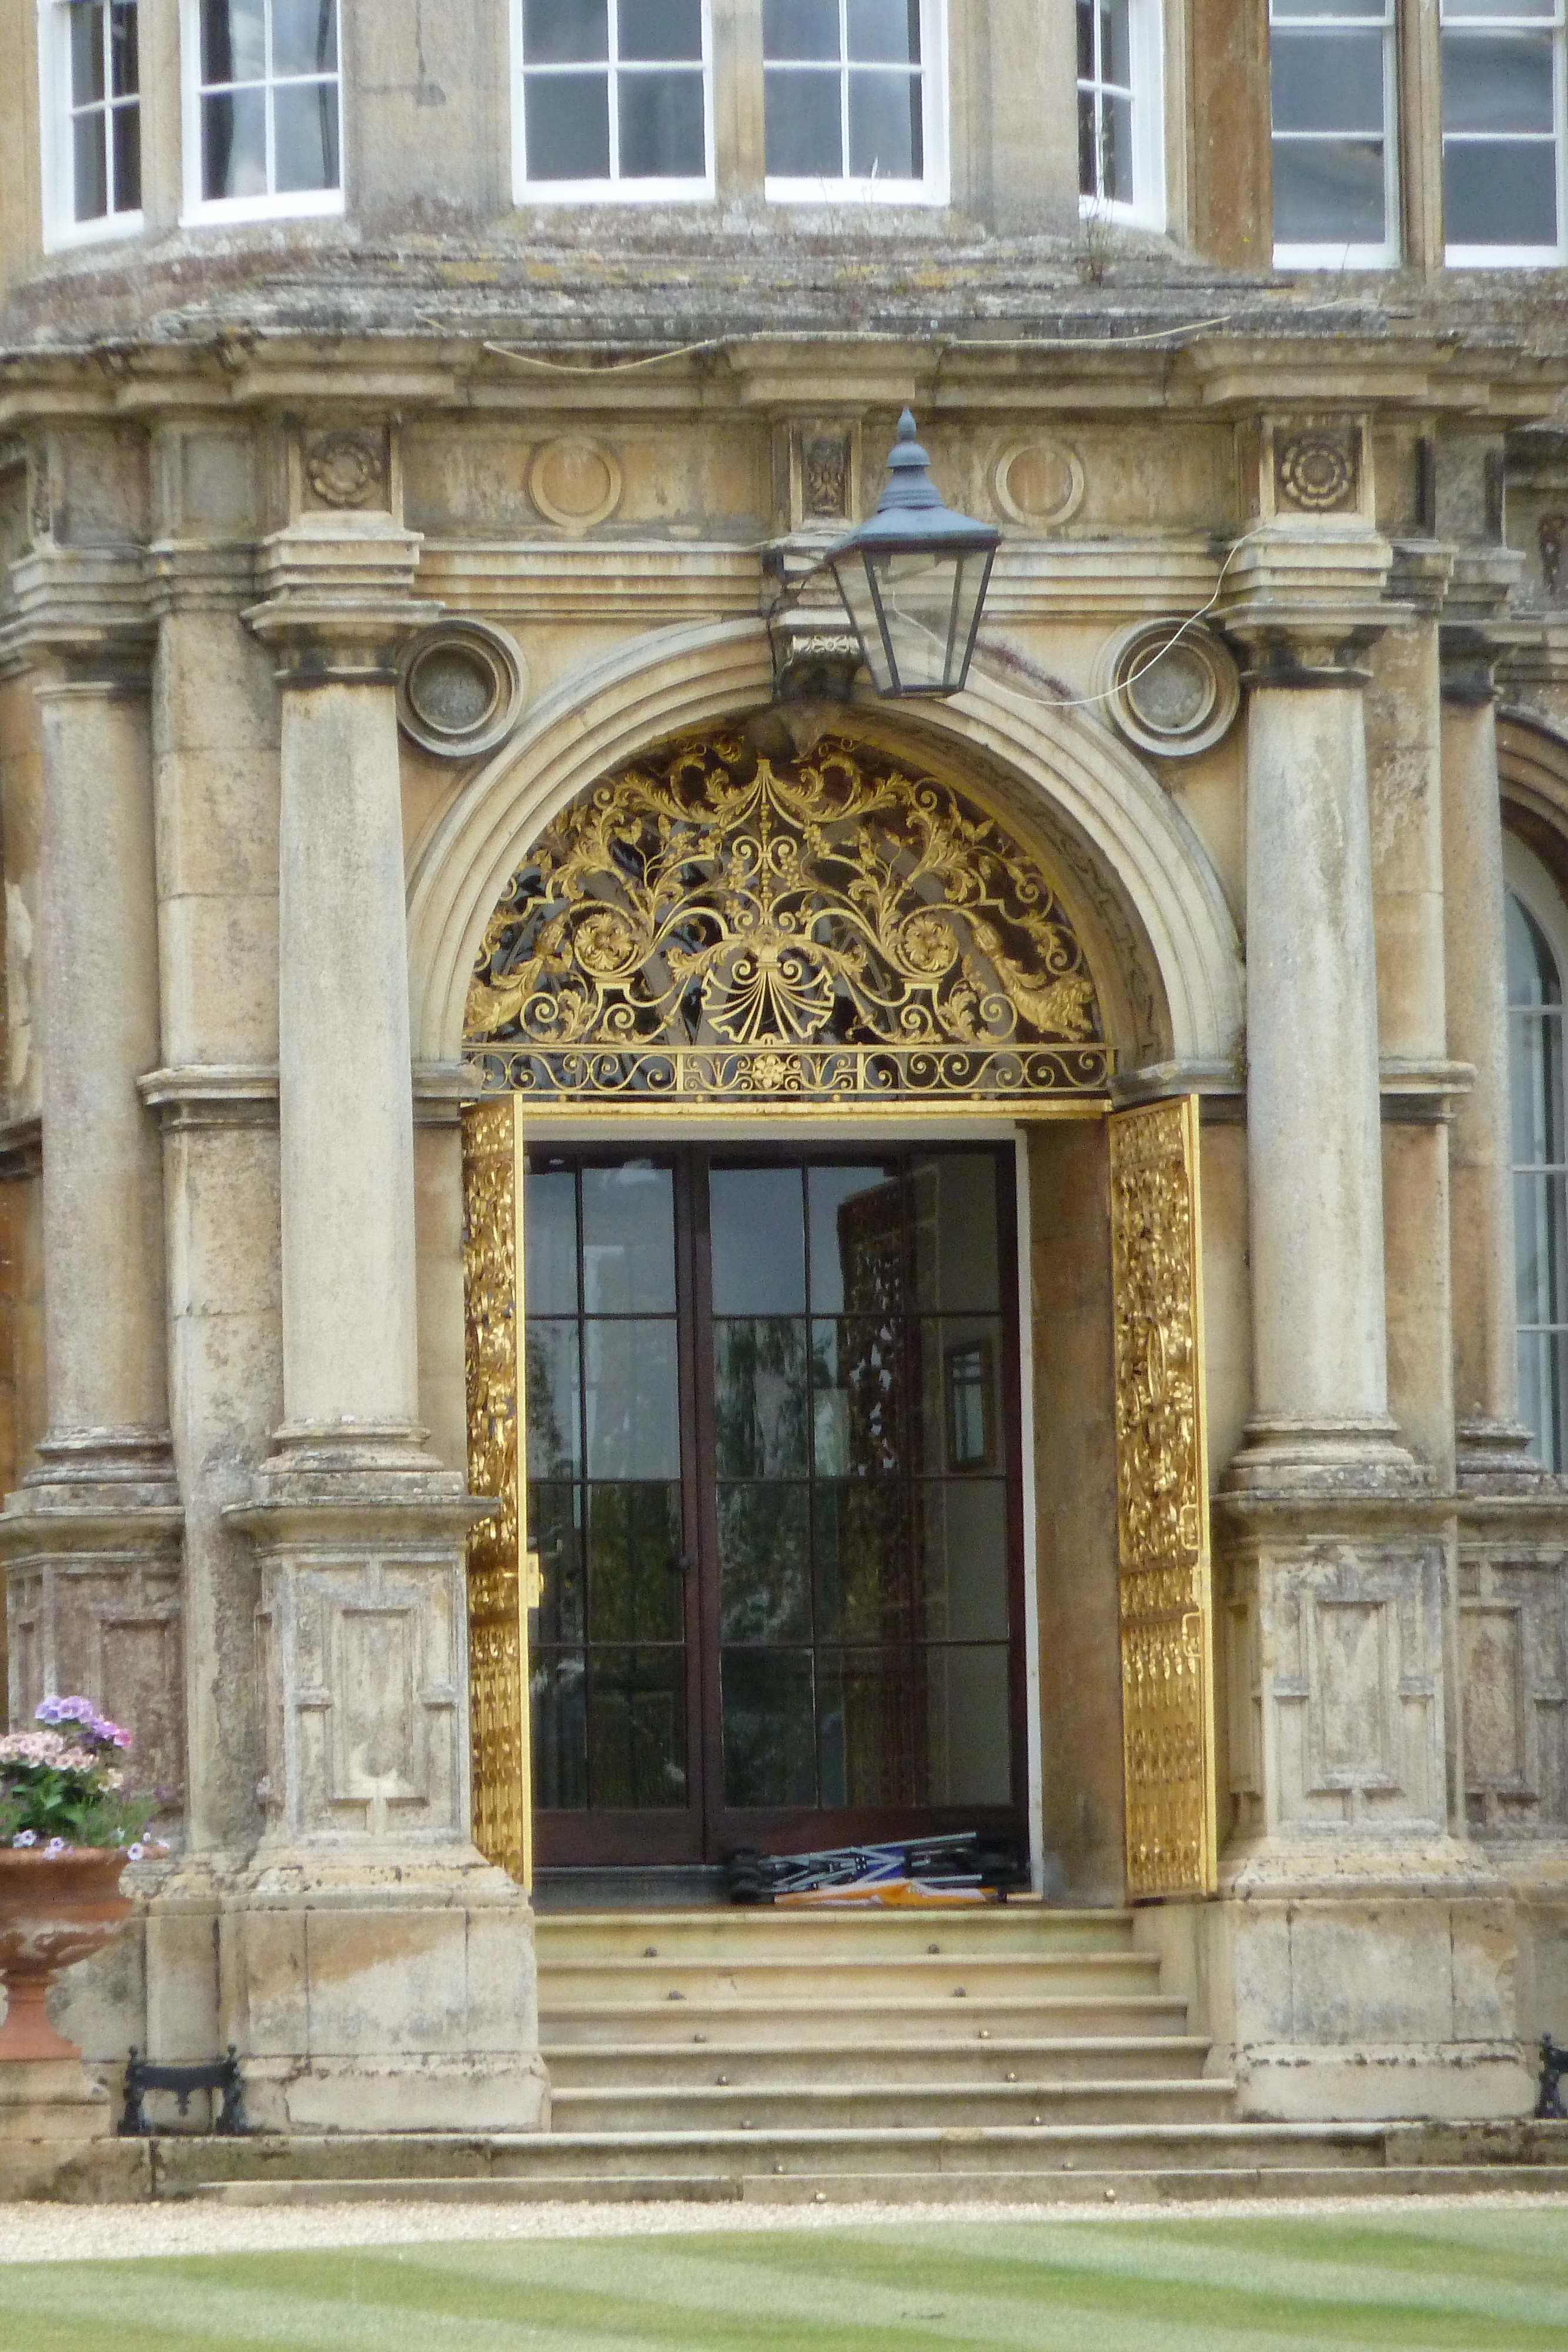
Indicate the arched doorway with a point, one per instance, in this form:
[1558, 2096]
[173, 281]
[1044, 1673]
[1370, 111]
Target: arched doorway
[754, 1029]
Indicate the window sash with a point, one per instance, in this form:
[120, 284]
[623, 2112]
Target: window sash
[1293, 22]
[617, 186]
[106, 117]
[265, 88]
[1461, 25]
[929, 77]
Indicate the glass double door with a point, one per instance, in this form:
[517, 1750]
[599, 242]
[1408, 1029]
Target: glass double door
[773, 1482]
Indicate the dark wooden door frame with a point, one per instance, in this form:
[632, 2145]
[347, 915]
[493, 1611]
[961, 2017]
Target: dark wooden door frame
[705, 1830]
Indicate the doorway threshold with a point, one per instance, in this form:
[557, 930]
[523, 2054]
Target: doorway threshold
[675, 1887]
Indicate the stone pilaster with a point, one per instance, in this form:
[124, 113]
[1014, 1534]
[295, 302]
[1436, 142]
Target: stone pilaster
[375, 1969]
[1492, 1443]
[92, 1537]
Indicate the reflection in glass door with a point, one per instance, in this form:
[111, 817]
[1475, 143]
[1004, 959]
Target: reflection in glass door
[772, 1458]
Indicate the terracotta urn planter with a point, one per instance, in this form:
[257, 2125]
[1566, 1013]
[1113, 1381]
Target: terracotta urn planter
[55, 1909]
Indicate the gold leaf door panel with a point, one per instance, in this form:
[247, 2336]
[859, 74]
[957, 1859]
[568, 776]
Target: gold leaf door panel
[1162, 1501]
[499, 1590]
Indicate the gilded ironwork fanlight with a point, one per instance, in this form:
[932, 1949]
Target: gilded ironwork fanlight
[710, 922]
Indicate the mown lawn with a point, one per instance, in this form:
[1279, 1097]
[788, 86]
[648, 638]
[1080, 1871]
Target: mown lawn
[1494, 2280]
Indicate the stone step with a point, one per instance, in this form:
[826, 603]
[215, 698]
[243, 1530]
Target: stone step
[828, 2017]
[1027, 1926]
[893, 1978]
[1101, 2058]
[1175, 2186]
[715, 2107]
[899, 2153]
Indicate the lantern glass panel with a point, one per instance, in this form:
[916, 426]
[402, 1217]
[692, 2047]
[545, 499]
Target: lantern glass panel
[926, 603]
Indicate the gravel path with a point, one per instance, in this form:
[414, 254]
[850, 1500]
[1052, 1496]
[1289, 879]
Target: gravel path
[66, 2233]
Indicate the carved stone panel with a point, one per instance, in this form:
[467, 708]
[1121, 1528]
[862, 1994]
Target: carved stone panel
[1354, 1631]
[364, 1658]
[1513, 1685]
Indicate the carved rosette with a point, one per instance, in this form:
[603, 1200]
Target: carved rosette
[1162, 1502]
[498, 1623]
[713, 923]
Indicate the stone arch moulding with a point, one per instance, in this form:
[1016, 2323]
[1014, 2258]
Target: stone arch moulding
[1024, 752]
[1532, 777]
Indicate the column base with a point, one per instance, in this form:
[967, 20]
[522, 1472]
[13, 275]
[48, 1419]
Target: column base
[1369, 1984]
[375, 1973]
[1493, 1458]
[1328, 1455]
[383, 1992]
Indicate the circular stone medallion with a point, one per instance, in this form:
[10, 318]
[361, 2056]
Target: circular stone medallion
[1039, 482]
[460, 689]
[575, 482]
[1174, 694]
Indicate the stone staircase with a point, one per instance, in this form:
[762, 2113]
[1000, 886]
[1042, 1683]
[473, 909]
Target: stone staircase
[1013, 2053]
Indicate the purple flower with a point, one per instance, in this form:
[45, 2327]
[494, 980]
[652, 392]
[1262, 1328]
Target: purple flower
[25, 1837]
[55, 1846]
[49, 1711]
[135, 1853]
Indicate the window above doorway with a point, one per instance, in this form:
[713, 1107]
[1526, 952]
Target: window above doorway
[1332, 68]
[854, 100]
[1503, 100]
[1121, 113]
[614, 99]
[263, 108]
[89, 69]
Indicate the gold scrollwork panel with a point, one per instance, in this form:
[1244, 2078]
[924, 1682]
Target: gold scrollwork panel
[498, 1584]
[710, 924]
[1162, 1502]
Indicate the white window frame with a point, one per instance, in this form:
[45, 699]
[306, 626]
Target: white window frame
[1517, 257]
[57, 149]
[1527, 879]
[1147, 38]
[292, 203]
[613, 191]
[935, 186]
[1388, 255]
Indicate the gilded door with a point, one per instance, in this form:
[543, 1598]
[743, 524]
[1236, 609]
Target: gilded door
[498, 1569]
[1162, 1502]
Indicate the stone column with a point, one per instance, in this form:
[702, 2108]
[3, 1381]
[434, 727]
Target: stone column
[1314, 1113]
[378, 1970]
[92, 1537]
[1492, 1443]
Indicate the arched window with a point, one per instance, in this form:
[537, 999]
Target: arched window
[1537, 959]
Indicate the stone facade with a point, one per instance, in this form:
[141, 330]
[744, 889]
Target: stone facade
[278, 496]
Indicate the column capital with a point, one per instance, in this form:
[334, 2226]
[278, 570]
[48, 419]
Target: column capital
[1305, 598]
[1470, 646]
[338, 598]
[1468, 658]
[83, 617]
